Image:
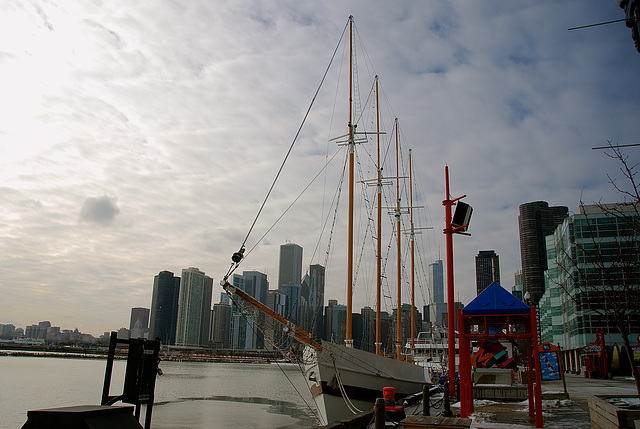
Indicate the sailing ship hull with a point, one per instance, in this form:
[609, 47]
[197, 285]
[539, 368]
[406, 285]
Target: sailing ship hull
[344, 381]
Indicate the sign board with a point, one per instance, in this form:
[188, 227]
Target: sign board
[549, 362]
[592, 348]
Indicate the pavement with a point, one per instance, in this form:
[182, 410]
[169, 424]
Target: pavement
[558, 413]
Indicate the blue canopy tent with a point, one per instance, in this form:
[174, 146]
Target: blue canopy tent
[496, 315]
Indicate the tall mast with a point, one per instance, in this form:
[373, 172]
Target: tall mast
[413, 276]
[399, 315]
[379, 243]
[351, 144]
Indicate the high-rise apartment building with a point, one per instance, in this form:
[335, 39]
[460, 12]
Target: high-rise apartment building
[194, 305]
[436, 281]
[368, 329]
[335, 322]
[293, 301]
[245, 334]
[591, 255]
[437, 308]
[487, 269]
[517, 287]
[273, 332]
[139, 323]
[536, 221]
[316, 299]
[220, 325]
[290, 269]
[164, 307]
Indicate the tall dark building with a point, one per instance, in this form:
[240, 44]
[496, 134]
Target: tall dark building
[487, 269]
[316, 299]
[535, 222]
[245, 334]
[220, 325]
[164, 307]
[290, 269]
[139, 323]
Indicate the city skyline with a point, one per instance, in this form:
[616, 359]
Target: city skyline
[129, 150]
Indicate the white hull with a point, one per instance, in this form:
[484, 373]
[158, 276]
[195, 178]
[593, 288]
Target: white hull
[361, 376]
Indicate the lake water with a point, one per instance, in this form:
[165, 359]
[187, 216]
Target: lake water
[190, 395]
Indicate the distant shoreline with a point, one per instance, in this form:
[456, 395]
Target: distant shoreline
[78, 353]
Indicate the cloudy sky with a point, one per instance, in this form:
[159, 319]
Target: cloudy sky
[137, 137]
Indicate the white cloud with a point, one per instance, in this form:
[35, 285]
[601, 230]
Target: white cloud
[185, 111]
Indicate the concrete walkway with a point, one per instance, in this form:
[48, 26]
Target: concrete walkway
[558, 413]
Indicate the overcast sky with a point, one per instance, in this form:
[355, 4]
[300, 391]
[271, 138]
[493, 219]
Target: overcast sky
[137, 137]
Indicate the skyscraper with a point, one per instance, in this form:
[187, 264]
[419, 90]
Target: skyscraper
[436, 280]
[316, 299]
[517, 287]
[487, 269]
[273, 330]
[536, 221]
[139, 323]
[290, 270]
[437, 307]
[164, 307]
[194, 308]
[245, 335]
[593, 268]
[292, 306]
[220, 325]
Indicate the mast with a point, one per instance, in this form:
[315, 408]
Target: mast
[413, 275]
[399, 315]
[450, 299]
[351, 144]
[379, 243]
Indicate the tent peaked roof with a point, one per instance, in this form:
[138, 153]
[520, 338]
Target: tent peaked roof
[496, 300]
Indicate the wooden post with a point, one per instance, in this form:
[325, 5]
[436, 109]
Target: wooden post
[446, 412]
[426, 400]
[380, 414]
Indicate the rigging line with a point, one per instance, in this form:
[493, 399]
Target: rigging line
[295, 138]
[335, 212]
[369, 227]
[335, 200]
[254, 328]
[347, 401]
[293, 202]
[367, 60]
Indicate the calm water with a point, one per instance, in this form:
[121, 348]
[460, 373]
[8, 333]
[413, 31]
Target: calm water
[189, 395]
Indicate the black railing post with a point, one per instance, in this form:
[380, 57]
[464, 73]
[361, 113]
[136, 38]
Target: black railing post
[426, 400]
[380, 414]
[447, 403]
[109, 369]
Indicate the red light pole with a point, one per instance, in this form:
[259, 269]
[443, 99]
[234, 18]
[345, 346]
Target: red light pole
[449, 230]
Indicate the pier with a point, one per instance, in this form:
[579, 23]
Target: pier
[561, 410]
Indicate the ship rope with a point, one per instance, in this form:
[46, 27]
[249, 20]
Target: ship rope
[335, 202]
[246, 313]
[239, 255]
[345, 397]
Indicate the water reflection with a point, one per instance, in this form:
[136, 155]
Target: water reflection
[230, 412]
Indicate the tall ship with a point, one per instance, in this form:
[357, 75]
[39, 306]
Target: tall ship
[344, 380]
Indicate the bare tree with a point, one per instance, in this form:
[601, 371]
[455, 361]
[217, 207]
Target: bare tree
[598, 262]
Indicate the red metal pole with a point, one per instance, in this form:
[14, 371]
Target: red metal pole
[538, 387]
[466, 386]
[450, 292]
